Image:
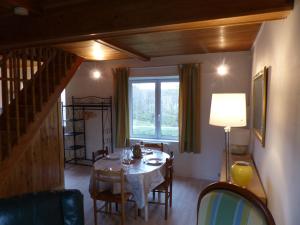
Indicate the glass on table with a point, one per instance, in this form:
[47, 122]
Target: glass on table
[126, 158]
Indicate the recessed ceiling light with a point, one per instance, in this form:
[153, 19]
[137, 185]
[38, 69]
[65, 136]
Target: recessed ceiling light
[97, 52]
[222, 70]
[21, 11]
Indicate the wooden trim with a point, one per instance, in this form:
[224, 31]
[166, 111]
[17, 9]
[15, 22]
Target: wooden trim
[239, 191]
[264, 75]
[132, 53]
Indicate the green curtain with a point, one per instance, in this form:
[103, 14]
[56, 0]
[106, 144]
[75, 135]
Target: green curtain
[189, 108]
[120, 79]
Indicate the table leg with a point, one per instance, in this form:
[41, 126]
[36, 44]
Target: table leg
[146, 208]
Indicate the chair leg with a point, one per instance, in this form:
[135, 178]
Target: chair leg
[95, 212]
[135, 211]
[122, 213]
[166, 204]
[116, 205]
[106, 206]
[110, 208]
[171, 195]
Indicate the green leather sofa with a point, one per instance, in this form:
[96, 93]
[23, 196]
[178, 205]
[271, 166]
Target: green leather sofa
[43, 208]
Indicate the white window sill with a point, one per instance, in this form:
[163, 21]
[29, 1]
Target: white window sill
[165, 141]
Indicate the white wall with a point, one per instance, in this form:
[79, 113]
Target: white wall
[278, 47]
[207, 164]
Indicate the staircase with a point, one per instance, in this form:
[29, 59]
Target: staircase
[32, 80]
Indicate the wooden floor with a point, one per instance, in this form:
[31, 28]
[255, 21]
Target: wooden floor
[183, 212]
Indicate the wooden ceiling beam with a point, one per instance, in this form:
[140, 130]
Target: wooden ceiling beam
[130, 52]
[111, 18]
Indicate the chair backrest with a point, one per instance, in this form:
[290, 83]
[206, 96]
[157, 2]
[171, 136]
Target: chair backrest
[169, 168]
[158, 146]
[108, 178]
[99, 154]
[224, 203]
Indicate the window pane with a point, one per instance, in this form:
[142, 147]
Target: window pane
[143, 109]
[169, 109]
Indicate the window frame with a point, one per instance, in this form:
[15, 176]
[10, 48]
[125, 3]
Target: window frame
[157, 81]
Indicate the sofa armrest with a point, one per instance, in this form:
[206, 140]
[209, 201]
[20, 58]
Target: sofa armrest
[72, 204]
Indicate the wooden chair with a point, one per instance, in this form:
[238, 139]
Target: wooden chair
[236, 205]
[112, 178]
[158, 146]
[99, 154]
[166, 187]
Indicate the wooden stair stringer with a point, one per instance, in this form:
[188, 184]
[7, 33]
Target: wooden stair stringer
[19, 149]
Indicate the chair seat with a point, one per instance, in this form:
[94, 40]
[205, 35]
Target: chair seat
[163, 186]
[108, 196]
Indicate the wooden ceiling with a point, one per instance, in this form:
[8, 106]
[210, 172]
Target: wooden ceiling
[106, 30]
[217, 39]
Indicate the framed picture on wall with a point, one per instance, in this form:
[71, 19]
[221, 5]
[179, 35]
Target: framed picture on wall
[260, 84]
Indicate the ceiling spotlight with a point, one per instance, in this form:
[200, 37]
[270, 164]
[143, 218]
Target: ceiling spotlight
[21, 11]
[96, 74]
[222, 70]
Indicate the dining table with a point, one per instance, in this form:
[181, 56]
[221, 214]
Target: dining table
[141, 175]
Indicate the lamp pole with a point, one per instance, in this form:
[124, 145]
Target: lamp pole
[227, 150]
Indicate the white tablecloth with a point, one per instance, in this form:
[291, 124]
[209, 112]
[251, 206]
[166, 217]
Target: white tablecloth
[140, 177]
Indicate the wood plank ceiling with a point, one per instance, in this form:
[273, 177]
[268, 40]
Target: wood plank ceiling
[100, 30]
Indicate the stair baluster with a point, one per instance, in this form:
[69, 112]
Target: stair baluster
[33, 81]
[6, 108]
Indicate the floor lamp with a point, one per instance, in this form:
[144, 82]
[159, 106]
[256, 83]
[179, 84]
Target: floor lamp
[228, 110]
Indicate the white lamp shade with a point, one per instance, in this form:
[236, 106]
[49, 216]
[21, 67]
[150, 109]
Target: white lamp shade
[228, 110]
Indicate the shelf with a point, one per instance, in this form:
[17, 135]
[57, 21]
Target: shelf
[80, 161]
[255, 186]
[73, 133]
[74, 147]
[73, 120]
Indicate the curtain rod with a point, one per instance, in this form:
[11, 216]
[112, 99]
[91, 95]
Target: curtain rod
[141, 67]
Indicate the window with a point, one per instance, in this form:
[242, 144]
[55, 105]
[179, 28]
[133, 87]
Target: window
[64, 103]
[154, 107]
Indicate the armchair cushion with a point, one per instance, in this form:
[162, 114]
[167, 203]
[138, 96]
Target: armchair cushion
[221, 207]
